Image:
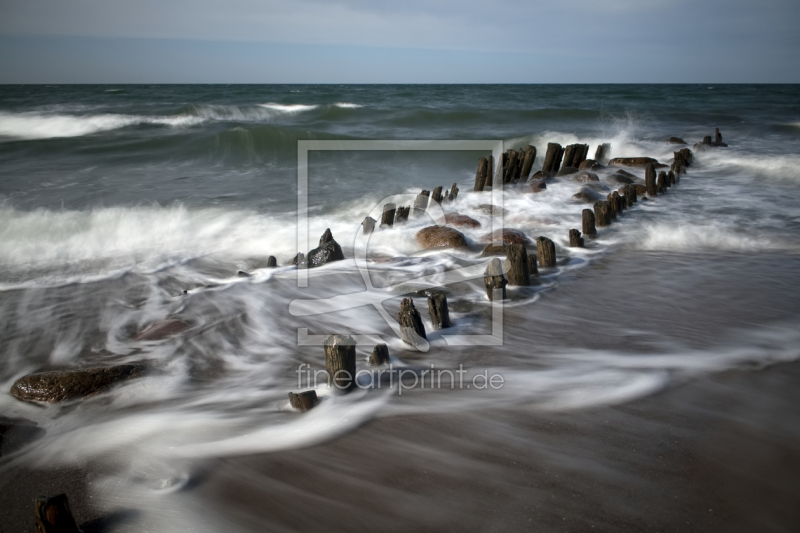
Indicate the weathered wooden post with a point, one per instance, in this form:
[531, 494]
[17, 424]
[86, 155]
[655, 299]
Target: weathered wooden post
[650, 180]
[437, 308]
[527, 163]
[411, 326]
[533, 266]
[436, 195]
[707, 139]
[379, 355]
[671, 180]
[602, 214]
[575, 239]
[603, 152]
[517, 265]
[421, 203]
[662, 182]
[718, 136]
[575, 154]
[387, 219]
[511, 166]
[480, 175]
[54, 515]
[546, 251]
[552, 159]
[303, 401]
[588, 222]
[499, 173]
[453, 192]
[629, 191]
[272, 262]
[613, 206]
[493, 279]
[368, 226]
[402, 214]
[340, 362]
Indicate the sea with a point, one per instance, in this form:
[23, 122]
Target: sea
[125, 205]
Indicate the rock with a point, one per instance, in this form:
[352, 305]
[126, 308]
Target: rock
[676, 140]
[162, 329]
[538, 176]
[507, 236]
[493, 210]
[491, 249]
[411, 327]
[638, 162]
[585, 194]
[54, 515]
[303, 401]
[440, 236]
[16, 433]
[340, 362]
[535, 186]
[619, 178]
[379, 355]
[546, 251]
[584, 177]
[61, 385]
[566, 171]
[590, 164]
[456, 219]
[641, 190]
[327, 252]
[493, 279]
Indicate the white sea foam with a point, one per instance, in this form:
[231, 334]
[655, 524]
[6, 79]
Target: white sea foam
[289, 108]
[347, 105]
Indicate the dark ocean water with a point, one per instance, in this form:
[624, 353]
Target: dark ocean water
[114, 200]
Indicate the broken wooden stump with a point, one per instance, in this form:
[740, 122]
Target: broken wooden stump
[453, 193]
[499, 173]
[272, 262]
[379, 355]
[671, 178]
[612, 207]
[387, 218]
[575, 239]
[552, 159]
[718, 136]
[516, 265]
[494, 279]
[436, 195]
[661, 183]
[481, 174]
[328, 251]
[401, 215]
[527, 162]
[629, 192]
[650, 180]
[602, 214]
[439, 313]
[546, 250]
[602, 153]
[411, 327]
[54, 515]
[368, 226]
[303, 401]
[340, 362]
[533, 266]
[421, 203]
[588, 222]
[575, 154]
[512, 162]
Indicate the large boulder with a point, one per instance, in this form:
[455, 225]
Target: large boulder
[584, 177]
[61, 385]
[507, 236]
[455, 219]
[620, 178]
[162, 329]
[588, 195]
[637, 162]
[493, 210]
[441, 236]
[590, 164]
[535, 186]
[328, 251]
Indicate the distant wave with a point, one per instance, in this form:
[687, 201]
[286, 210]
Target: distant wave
[46, 126]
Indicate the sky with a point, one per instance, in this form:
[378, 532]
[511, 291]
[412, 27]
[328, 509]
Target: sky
[407, 41]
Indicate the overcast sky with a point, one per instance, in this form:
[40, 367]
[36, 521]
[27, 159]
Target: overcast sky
[399, 41]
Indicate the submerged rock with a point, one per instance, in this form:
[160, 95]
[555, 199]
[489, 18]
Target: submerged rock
[441, 236]
[638, 162]
[676, 140]
[494, 210]
[507, 236]
[162, 329]
[61, 385]
[584, 177]
[16, 433]
[566, 171]
[588, 195]
[328, 251]
[535, 186]
[590, 164]
[456, 219]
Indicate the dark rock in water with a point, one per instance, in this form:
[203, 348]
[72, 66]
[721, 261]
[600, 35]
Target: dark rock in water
[494, 210]
[619, 178]
[299, 260]
[535, 186]
[623, 172]
[494, 279]
[507, 236]
[566, 171]
[327, 252]
[590, 164]
[242, 274]
[340, 362]
[456, 219]
[439, 313]
[584, 177]
[517, 265]
[272, 262]
[538, 176]
[303, 401]
[676, 140]
[440, 236]
[162, 329]
[587, 195]
[61, 385]
[401, 215]
[638, 162]
[411, 327]
[546, 251]
[491, 249]
[596, 186]
[379, 355]
[16, 433]
[641, 190]
[54, 515]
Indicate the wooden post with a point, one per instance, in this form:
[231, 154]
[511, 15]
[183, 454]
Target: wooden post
[272, 262]
[612, 206]
[421, 203]
[707, 139]
[511, 166]
[650, 180]
[340, 362]
[493, 278]
[489, 172]
[387, 219]
[368, 226]
[453, 193]
[303, 401]
[411, 326]
[53, 515]
[379, 355]
[718, 136]
[575, 239]
[480, 175]
[630, 194]
[527, 163]
[401, 214]
[552, 159]
[602, 214]
[436, 195]
[671, 178]
[533, 266]
[499, 173]
[437, 308]
[603, 152]
[662, 182]
[588, 222]
[517, 265]
[575, 154]
[546, 251]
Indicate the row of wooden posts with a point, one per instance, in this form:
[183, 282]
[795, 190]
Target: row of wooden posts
[519, 267]
[393, 214]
